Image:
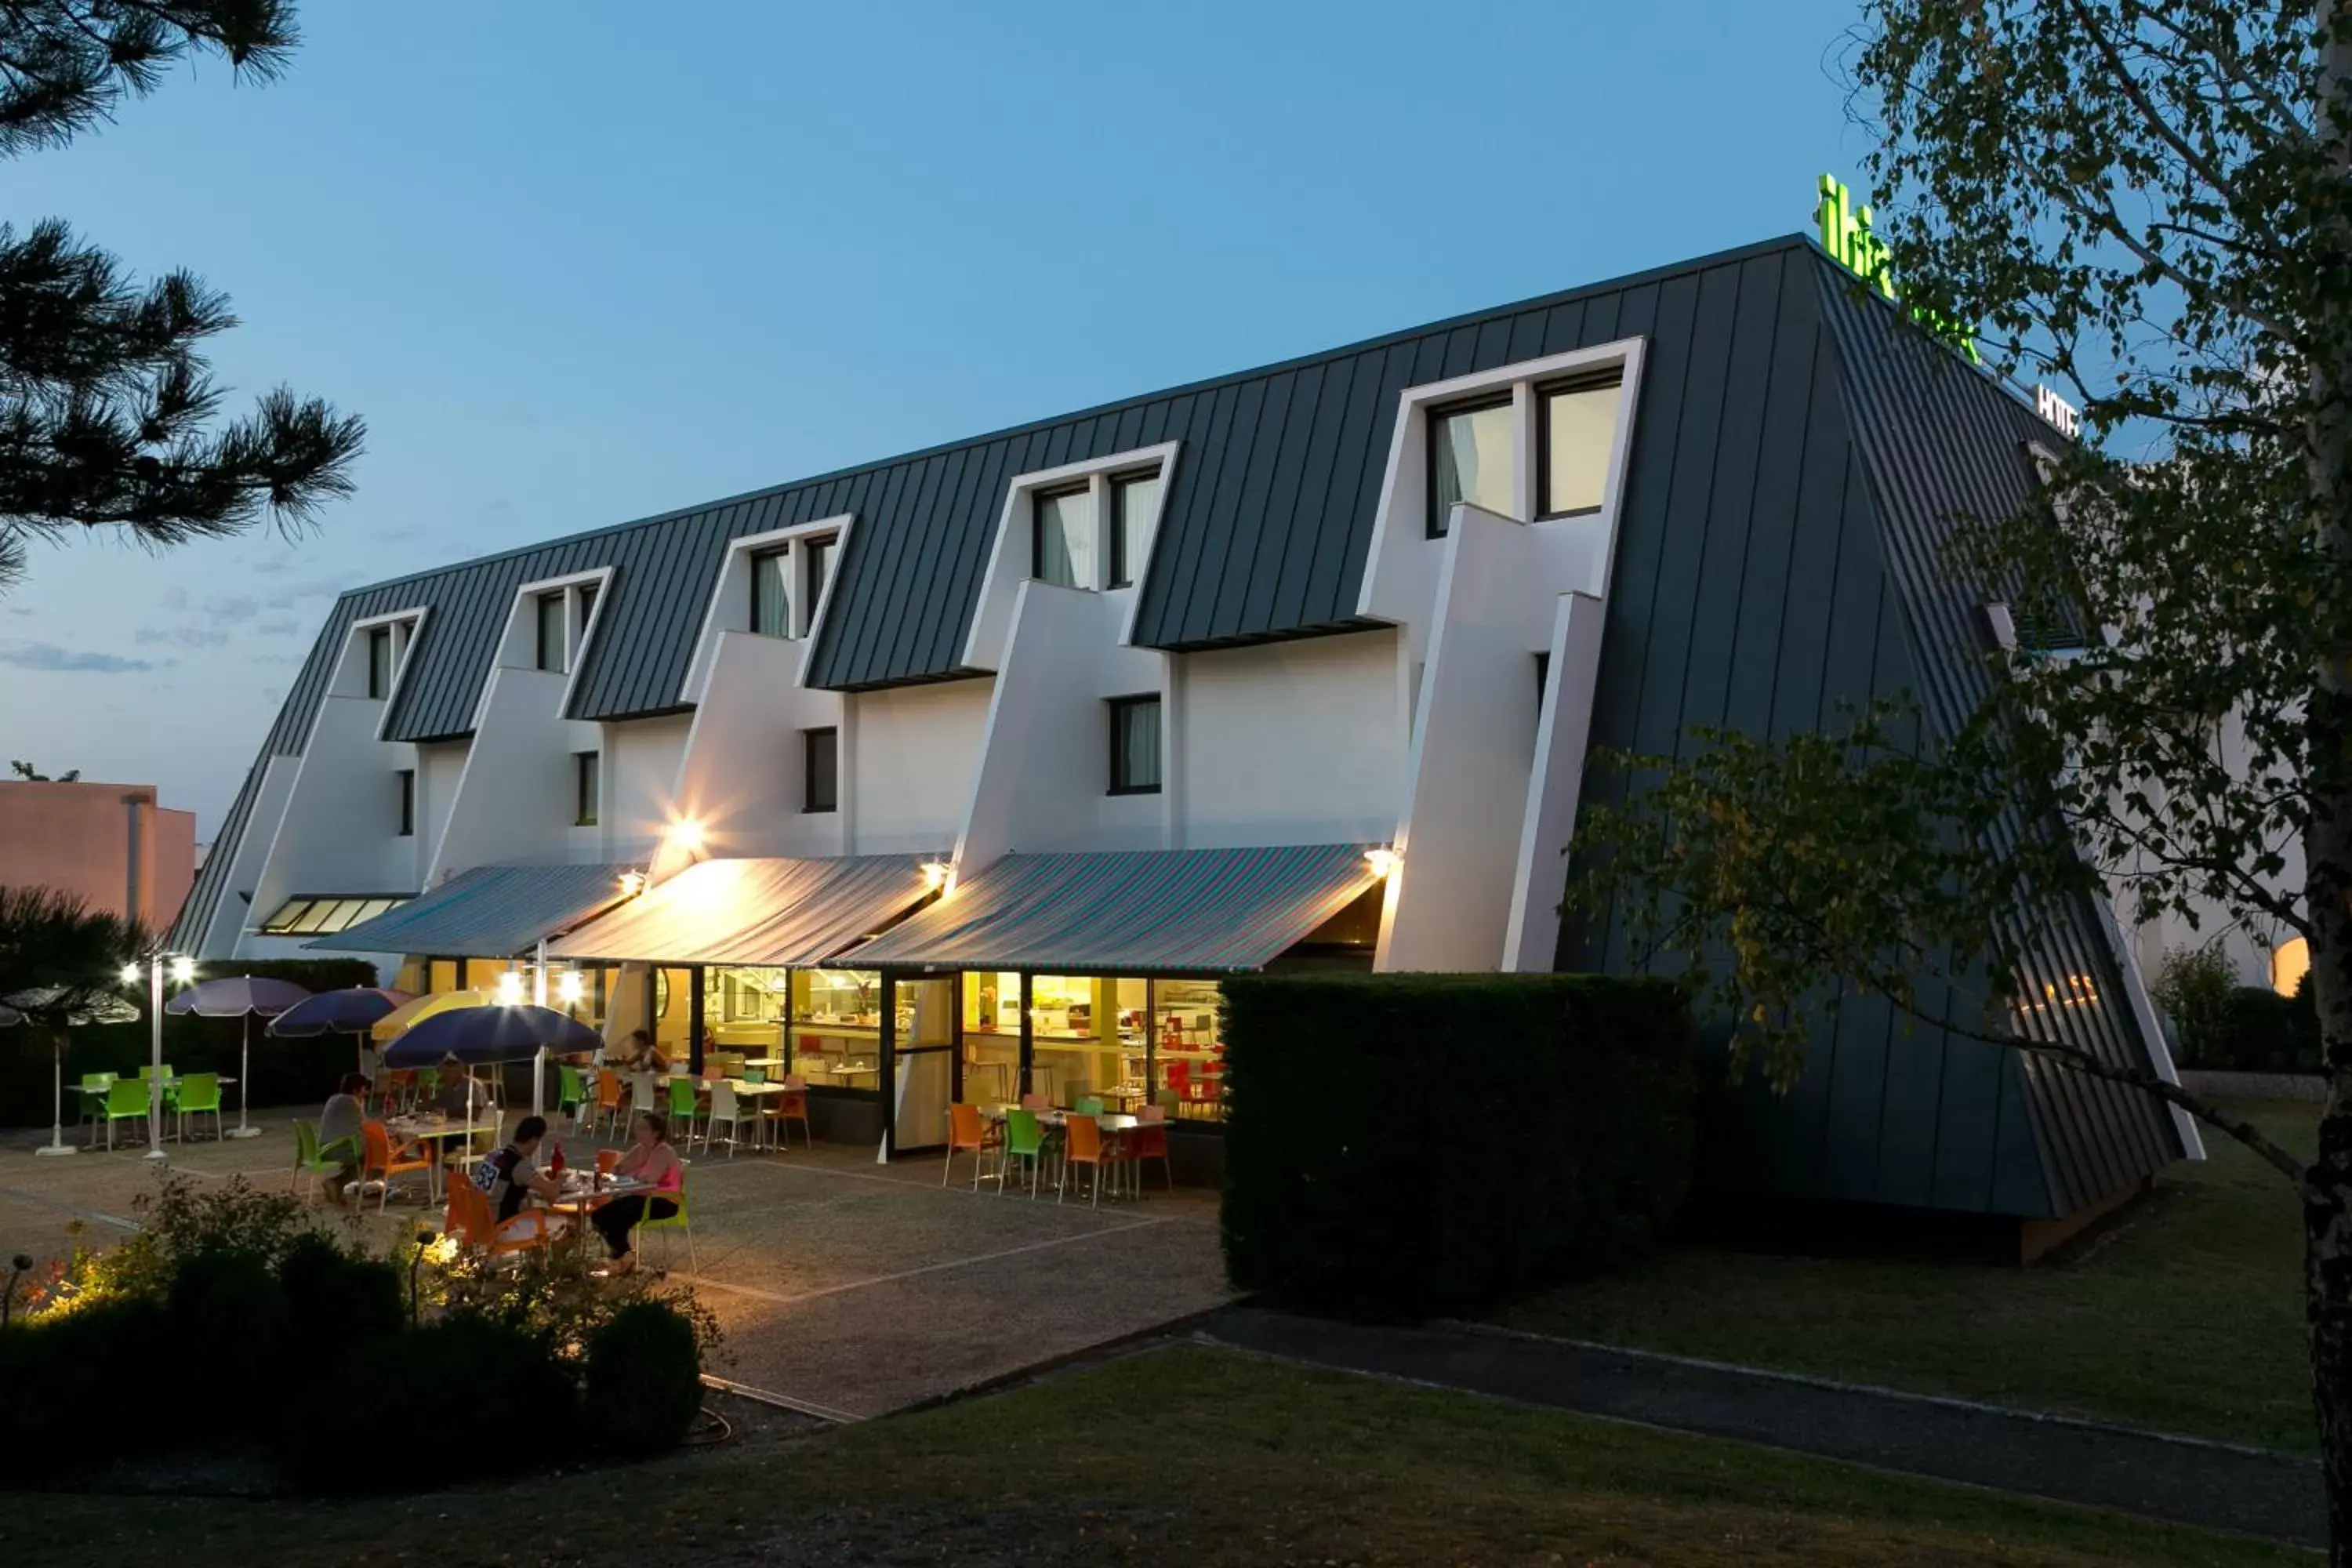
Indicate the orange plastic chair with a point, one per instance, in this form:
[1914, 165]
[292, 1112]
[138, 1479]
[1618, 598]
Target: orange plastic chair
[380, 1161]
[469, 1219]
[608, 1099]
[968, 1130]
[605, 1160]
[1082, 1144]
[791, 1106]
[1149, 1141]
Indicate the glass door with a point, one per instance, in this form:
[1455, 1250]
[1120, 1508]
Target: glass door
[923, 1065]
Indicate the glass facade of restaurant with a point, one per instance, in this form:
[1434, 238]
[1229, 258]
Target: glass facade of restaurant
[1125, 1040]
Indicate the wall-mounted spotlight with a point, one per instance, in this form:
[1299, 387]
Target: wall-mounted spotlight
[632, 884]
[1383, 862]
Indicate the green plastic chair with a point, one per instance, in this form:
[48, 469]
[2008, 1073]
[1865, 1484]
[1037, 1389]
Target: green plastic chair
[309, 1159]
[679, 1221]
[1024, 1139]
[683, 1106]
[571, 1092]
[171, 1091]
[126, 1098]
[94, 1086]
[1089, 1106]
[199, 1094]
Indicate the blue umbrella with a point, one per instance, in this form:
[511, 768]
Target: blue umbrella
[238, 996]
[479, 1037]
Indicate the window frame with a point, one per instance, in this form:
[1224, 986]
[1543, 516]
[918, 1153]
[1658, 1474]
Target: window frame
[538, 608]
[587, 789]
[379, 637]
[585, 595]
[809, 780]
[1037, 500]
[407, 819]
[1117, 708]
[1118, 571]
[755, 563]
[810, 572]
[1433, 520]
[1612, 378]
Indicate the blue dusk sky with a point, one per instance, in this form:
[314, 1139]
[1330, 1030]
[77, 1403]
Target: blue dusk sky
[578, 262]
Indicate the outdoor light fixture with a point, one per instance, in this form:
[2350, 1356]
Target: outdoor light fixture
[687, 834]
[569, 988]
[632, 884]
[1383, 862]
[935, 875]
[510, 989]
[132, 974]
[183, 970]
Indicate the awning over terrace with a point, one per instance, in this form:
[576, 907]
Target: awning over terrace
[1145, 912]
[489, 912]
[757, 911]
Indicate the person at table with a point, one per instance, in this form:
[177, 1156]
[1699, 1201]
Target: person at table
[461, 1098]
[641, 1054]
[510, 1173]
[340, 1123]
[649, 1159]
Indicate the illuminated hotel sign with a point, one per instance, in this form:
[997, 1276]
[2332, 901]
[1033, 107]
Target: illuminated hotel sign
[1846, 236]
[2056, 412]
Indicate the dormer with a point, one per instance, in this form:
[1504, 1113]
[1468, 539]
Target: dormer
[375, 658]
[773, 584]
[1087, 525]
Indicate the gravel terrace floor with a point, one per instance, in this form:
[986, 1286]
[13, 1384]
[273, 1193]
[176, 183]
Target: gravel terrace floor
[847, 1287]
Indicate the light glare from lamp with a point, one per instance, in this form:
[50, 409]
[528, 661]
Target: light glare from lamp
[632, 883]
[935, 874]
[510, 989]
[568, 986]
[685, 833]
[131, 974]
[1383, 862]
[184, 969]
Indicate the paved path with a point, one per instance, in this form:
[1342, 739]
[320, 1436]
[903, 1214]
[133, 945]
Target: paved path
[2213, 1485]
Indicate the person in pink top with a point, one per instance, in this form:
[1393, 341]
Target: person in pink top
[651, 1160]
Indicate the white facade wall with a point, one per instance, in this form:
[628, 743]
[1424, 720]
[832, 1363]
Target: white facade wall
[1292, 742]
[909, 755]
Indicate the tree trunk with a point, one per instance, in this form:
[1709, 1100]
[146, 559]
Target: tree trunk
[2328, 841]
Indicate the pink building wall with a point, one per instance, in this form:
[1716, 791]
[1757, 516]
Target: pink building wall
[111, 845]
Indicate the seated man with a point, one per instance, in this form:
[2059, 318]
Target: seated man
[461, 1098]
[511, 1171]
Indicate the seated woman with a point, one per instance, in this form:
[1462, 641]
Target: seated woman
[649, 1158]
[339, 1121]
[641, 1054]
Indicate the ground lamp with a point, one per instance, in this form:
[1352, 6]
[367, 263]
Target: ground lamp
[97, 1010]
[243, 997]
[352, 1011]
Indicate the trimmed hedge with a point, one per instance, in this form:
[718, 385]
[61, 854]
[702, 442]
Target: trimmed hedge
[1402, 1146]
[285, 1072]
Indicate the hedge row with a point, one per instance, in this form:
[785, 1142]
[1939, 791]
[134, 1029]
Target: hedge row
[1402, 1146]
[285, 1072]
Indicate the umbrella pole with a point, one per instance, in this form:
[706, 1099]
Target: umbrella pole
[57, 1143]
[244, 1076]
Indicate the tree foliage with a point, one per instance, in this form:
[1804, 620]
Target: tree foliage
[60, 959]
[109, 416]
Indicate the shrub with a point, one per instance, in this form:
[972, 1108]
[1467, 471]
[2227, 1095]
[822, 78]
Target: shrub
[336, 1302]
[228, 1310]
[90, 1373]
[2258, 1030]
[513, 1396]
[644, 1385]
[1400, 1145]
[2193, 985]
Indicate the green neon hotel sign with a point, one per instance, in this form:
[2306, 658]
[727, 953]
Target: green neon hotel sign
[1847, 234]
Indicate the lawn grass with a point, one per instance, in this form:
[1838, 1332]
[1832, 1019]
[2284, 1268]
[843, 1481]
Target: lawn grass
[2187, 1318]
[1184, 1454]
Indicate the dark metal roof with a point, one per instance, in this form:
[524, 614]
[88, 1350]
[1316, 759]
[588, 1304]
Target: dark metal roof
[489, 912]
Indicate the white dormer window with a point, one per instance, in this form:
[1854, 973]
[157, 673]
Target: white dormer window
[373, 658]
[1062, 534]
[1134, 503]
[787, 584]
[1096, 533]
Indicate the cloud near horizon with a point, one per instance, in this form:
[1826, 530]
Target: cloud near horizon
[49, 657]
[185, 636]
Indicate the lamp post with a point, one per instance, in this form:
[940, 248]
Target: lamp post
[184, 969]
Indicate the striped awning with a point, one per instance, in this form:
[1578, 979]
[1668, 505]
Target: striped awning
[757, 911]
[1146, 912]
[489, 912]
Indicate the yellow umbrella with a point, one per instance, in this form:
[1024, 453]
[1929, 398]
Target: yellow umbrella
[394, 1024]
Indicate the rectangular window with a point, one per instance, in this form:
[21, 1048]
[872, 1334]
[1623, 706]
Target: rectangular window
[1135, 745]
[1064, 552]
[1470, 460]
[1187, 1049]
[1132, 499]
[821, 770]
[379, 661]
[818, 555]
[584, 789]
[1578, 426]
[771, 595]
[587, 592]
[407, 777]
[548, 650]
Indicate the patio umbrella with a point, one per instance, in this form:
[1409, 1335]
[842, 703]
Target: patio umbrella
[352, 1011]
[240, 996]
[485, 1036]
[97, 1010]
[408, 1015]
